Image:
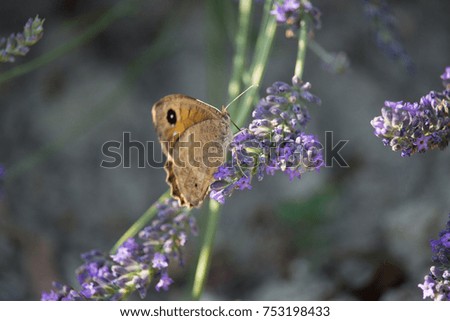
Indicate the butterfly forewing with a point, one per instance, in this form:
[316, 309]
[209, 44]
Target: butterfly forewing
[194, 136]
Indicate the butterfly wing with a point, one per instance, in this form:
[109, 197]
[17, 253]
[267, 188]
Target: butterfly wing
[173, 114]
[196, 156]
[194, 137]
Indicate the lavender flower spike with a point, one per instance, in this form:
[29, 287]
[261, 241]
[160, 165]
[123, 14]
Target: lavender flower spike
[446, 78]
[383, 24]
[290, 12]
[418, 126]
[436, 284]
[137, 262]
[18, 44]
[274, 141]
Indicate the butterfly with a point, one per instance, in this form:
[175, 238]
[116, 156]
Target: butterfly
[194, 137]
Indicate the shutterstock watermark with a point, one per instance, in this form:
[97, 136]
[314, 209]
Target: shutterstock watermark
[133, 153]
[332, 151]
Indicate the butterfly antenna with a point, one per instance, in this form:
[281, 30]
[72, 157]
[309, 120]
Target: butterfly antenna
[240, 167]
[238, 96]
[237, 127]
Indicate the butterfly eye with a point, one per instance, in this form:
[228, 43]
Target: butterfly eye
[171, 117]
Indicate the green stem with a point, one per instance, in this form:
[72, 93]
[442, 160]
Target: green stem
[204, 260]
[257, 69]
[324, 55]
[214, 62]
[216, 50]
[241, 40]
[302, 46]
[120, 10]
[263, 46]
[140, 223]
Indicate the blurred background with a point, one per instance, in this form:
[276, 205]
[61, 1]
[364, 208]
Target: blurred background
[357, 233]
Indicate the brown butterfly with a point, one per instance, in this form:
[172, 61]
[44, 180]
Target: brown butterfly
[194, 137]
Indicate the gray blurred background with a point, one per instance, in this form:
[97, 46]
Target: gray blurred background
[357, 233]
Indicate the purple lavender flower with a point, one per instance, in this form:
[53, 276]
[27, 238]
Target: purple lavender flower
[274, 141]
[61, 293]
[137, 262]
[50, 296]
[290, 12]
[445, 239]
[446, 78]
[383, 24]
[436, 284]
[159, 261]
[18, 44]
[164, 282]
[126, 251]
[415, 127]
